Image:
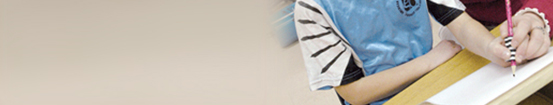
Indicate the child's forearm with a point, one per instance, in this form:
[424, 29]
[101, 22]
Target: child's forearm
[383, 84]
[386, 83]
[474, 36]
[470, 33]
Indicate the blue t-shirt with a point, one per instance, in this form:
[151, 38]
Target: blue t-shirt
[383, 33]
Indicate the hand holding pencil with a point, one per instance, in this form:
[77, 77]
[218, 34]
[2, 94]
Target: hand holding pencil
[525, 37]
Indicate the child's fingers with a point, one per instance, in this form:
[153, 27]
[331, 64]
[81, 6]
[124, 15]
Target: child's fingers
[456, 47]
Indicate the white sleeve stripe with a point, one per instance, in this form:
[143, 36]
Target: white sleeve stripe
[317, 10]
[309, 37]
[306, 21]
[325, 51]
[332, 61]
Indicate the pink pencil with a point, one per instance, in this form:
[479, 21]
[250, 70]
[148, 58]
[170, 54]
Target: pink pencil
[510, 37]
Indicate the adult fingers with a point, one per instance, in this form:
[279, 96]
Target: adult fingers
[535, 43]
[498, 49]
[503, 30]
[543, 49]
[521, 51]
[520, 33]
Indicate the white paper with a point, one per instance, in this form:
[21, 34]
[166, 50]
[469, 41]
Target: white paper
[488, 83]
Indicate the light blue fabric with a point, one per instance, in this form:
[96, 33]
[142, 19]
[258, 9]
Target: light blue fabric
[383, 33]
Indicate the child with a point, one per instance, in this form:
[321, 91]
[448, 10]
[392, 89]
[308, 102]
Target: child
[369, 50]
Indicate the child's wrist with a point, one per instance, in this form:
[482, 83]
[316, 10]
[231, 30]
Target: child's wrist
[429, 62]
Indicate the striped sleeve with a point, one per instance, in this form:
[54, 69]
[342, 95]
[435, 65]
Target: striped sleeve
[328, 57]
[445, 11]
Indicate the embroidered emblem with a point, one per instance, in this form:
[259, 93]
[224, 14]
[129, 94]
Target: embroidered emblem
[408, 7]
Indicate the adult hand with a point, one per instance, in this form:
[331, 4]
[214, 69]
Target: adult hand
[529, 38]
[498, 51]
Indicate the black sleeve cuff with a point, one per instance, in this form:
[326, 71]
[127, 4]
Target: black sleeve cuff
[352, 73]
[443, 14]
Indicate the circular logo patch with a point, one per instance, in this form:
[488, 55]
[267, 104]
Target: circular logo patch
[408, 7]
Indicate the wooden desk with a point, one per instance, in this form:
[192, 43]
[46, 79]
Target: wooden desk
[460, 66]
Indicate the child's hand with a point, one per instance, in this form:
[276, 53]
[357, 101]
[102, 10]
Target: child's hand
[443, 51]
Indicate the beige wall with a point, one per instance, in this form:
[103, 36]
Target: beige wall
[136, 52]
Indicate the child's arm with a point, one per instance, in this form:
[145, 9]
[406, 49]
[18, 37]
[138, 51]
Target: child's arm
[469, 32]
[476, 38]
[388, 82]
[331, 63]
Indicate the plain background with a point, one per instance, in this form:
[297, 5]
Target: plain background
[147, 52]
[135, 52]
